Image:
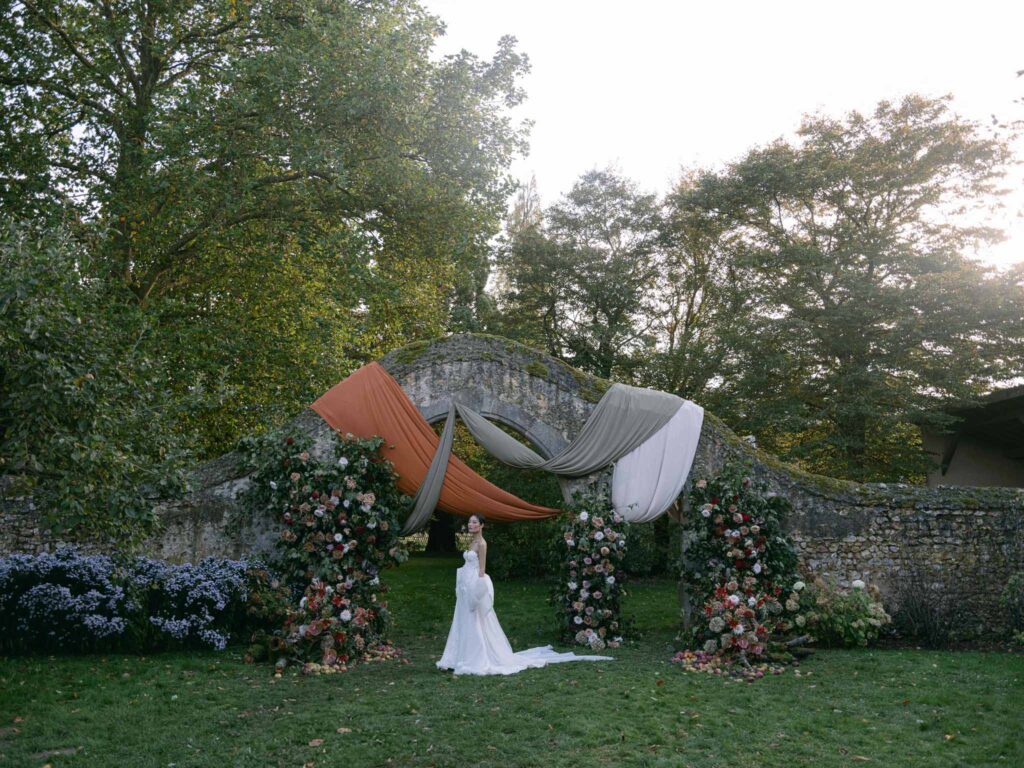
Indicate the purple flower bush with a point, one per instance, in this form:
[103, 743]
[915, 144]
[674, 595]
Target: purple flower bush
[69, 602]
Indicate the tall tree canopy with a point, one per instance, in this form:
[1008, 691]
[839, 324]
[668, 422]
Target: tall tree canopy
[864, 308]
[580, 278]
[288, 186]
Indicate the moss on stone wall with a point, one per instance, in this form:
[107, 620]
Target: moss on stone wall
[538, 369]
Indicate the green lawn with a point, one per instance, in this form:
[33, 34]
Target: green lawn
[891, 708]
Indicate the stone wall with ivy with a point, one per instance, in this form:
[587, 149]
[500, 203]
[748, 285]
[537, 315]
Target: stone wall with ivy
[961, 544]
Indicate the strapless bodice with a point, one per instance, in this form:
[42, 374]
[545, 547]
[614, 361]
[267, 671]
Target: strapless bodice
[470, 556]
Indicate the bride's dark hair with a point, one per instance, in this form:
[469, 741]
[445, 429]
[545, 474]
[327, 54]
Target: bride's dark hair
[479, 518]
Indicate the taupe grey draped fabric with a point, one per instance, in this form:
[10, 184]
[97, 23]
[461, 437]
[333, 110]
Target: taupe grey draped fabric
[624, 418]
[430, 489]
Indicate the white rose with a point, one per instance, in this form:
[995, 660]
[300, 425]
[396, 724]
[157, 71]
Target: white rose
[858, 584]
[342, 462]
[338, 537]
[345, 615]
[734, 599]
[319, 511]
[577, 619]
[584, 516]
[345, 503]
[302, 602]
[705, 512]
[372, 524]
[756, 568]
[798, 586]
[609, 580]
[572, 585]
[598, 535]
[738, 629]
[751, 601]
[273, 485]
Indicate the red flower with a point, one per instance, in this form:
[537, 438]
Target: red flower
[740, 565]
[714, 499]
[315, 494]
[746, 518]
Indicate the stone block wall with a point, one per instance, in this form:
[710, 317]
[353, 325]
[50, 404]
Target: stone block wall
[959, 543]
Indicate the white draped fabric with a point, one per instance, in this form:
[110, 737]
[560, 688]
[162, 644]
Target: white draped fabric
[650, 477]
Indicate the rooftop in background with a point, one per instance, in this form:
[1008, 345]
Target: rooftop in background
[986, 447]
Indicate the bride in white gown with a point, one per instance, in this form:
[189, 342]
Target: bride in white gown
[476, 644]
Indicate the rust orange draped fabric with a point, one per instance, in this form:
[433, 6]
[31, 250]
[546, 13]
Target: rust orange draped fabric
[370, 402]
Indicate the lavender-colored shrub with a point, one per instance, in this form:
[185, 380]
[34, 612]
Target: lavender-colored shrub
[69, 602]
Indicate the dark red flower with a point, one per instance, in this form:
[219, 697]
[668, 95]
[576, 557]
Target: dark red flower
[315, 494]
[289, 440]
[714, 499]
[740, 565]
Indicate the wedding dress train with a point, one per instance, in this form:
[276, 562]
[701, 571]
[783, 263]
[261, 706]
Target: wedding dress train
[476, 643]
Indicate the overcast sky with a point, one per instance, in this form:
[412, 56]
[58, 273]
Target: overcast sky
[650, 87]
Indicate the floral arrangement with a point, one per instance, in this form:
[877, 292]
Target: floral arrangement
[66, 601]
[741, 567]
[590, 587]
[843, 618]
[340, 524]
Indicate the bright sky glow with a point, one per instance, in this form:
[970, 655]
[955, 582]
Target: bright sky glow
[651, 87]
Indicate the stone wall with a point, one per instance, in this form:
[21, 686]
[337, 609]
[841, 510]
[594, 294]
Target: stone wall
[960, 542]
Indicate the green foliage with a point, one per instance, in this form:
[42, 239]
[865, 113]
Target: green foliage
[839, 618]
[88, 426]
[581, 283]
[1012, 601]
[852, 253]
[287, 188]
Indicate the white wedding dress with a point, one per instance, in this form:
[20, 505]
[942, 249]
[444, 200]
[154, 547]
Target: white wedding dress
[476, 644]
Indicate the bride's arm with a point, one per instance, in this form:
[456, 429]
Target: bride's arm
[482, 557]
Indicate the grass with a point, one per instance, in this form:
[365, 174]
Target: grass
[844, 708]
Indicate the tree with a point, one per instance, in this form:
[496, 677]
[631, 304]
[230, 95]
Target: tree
[87, 423]
[274, 182]
[700, 304]
[582, 281]
[865, 308]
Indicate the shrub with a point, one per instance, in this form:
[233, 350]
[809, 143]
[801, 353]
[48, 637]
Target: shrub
[1012, 601]
[524, 550]
[66, 602]
[89, 424]
[844, 618]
